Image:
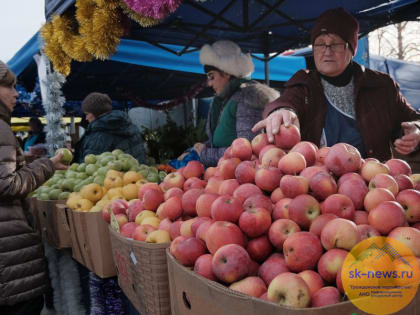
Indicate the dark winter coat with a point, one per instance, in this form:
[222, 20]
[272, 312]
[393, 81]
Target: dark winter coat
[23, 273]
[250, 101]
[113, 130]
[380, 108]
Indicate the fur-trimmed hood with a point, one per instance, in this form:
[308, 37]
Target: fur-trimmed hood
[255, 94]
[227, 57]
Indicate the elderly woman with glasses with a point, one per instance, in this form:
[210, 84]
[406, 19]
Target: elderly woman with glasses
[238, 103]
[341, 101]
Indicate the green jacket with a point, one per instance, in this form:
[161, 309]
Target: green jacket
[113, 130]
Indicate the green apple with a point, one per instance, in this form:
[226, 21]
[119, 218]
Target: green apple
[152, 177]
[104, 154]
[82, 175]
[134, 168]
[74, 167]
[153, 169]
[99, 180]
[78, 187]
[144, 167]
[67, 155]
[106, 160]
[91, 169]
[64, 195]
[162, 175]
[87, 181]
[43, 196]
[115, 165]
[68, 184]
[90, 159]
[102, 171]
[143, 172]
[125, 165]
[54, 193]
[58, 172]
[71, 174]
[117, 152]
[82, 167]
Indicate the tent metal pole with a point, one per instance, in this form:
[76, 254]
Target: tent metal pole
[266, 69]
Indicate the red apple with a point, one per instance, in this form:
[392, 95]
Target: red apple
[356, 190]
[302, 251]
[221, 233]
[410, 201]
[194, 182]
[310, 171]
[254, 222]
[409, 236]
[121, 219]
[152, 198]
[213, 185]
[172, 209]
[227, 168]
[253, 286]
[340, 233]
[228, 186]
[313, 280]
[384, 181]
[361, 217]
[187, 249]
[287, 137]
[289, 289]
[245, 172]
[134, 209]
[281, 209]
[322, 185]
[226, 208]
[280, 230]
[127, 229]
[258, 201]
[276, 195]
[303, 209]
[203, 204]
[308, 150]
[326, 296]
[348, 176]
[196, 224]
[321, 154]
[398, 166]
[387, 216]
[185, 229]
[318, 224]
[371, 168]
[174, 179]
[292, 185]
[242, 149]
[376, 196]
[292, 163]
[230, 263]
[203, 266]
[259, 142]
[343, 158]
[142, 231]
[189, 199]
[245, 191]
[175, 229]
[259, 248]
[209, 172]
[330, 263]
[172, 192]
[340, 205]
[193, 169]
[272, 267]
[165, 225]
[404, 182]
[267, 178]
[367, 231]
[202, 230]
[271, 156]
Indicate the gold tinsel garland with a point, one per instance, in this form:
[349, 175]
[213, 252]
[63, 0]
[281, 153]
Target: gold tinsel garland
[99, 33]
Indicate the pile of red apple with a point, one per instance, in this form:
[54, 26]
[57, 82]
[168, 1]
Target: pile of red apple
[276, 221]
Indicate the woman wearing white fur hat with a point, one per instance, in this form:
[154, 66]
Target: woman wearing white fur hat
[238, 102]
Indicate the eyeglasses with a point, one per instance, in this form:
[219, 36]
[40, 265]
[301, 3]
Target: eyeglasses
[336, 47]
[210, 76]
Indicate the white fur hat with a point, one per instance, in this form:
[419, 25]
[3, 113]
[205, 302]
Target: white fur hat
[227, 57]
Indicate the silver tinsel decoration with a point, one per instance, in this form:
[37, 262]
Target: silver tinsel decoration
[53, 105]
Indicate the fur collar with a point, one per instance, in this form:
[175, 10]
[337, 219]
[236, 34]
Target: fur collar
[256, 95]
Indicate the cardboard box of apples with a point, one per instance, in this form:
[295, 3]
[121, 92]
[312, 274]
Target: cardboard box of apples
[276, 221]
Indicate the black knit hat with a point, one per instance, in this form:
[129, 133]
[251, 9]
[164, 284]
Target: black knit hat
[97, 104]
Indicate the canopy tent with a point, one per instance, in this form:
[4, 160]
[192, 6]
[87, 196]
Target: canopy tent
[138, 69]
[258, 26]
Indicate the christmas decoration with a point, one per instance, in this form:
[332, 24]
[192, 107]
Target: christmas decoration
[144, 21]
[156, 9]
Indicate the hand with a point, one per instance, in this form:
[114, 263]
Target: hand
[408, 143]
[57, 162]
[274, 120]
[198, 147]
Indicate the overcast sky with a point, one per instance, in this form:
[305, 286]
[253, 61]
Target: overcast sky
[19, 21]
